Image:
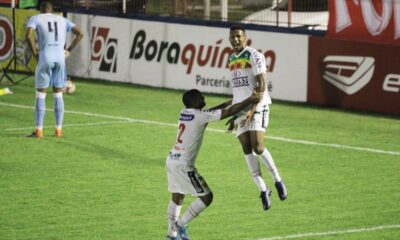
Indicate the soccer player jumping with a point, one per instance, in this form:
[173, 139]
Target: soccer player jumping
[248, 71]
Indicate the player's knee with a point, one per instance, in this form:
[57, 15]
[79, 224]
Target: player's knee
[258, 149]
[207, 200]
[247, 149]
[177, 198]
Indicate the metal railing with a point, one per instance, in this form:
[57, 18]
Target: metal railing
[310, 14]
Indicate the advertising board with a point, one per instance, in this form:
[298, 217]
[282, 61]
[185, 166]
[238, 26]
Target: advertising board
[354, 75]
[182, 56]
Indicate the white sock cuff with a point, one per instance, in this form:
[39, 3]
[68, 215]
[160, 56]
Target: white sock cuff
[265, 152]
[250, 156]
[40, 95]
[173, 204]
[58, 94]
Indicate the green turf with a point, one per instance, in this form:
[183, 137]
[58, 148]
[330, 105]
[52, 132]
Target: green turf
[105, 179]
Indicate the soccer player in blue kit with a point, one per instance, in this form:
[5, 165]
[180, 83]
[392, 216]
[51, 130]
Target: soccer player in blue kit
[51, 31]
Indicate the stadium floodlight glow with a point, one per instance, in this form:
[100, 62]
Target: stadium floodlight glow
[348, 73]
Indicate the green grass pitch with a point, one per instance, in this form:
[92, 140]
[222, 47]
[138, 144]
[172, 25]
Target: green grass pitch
[106, 178]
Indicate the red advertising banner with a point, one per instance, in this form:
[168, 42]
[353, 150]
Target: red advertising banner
[9, 1]
[365, 20]
[354, 75]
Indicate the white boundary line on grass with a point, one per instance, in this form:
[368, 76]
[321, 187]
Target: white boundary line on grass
[71, 125]
[130, 120]
[317, 234]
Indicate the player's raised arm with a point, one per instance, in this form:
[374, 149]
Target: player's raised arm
[235, 108]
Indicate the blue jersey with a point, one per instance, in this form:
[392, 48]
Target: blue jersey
[51, 32]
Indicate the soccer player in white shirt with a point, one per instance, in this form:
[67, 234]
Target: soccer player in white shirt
[183, 177]
[248, 71]
[51, 31]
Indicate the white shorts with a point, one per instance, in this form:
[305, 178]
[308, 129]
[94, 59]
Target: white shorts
[185, 179]
[258, 123]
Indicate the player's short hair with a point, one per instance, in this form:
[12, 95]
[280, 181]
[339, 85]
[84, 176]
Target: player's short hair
[237, 27]
[46, 5]
[189, 97]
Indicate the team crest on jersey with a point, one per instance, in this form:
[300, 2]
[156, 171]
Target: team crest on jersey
[240, 82]
[239, 64]
[186, 117]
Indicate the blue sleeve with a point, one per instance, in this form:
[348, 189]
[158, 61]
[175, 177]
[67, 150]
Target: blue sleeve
[32, 23]
[69, 24]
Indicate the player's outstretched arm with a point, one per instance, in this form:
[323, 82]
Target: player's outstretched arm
[222, 105]
[231, 124]
[235, 108]
[249, 116]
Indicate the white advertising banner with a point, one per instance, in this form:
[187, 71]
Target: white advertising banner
[182, 56]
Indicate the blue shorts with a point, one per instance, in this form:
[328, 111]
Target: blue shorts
[51, 75]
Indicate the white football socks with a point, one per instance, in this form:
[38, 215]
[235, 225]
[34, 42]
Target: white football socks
[195, 208]
[267, 159]
[254, 167]
[173, 214]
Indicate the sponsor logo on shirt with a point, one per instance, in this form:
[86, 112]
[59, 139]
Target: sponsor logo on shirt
[240, 82]
[258, 60]
[186, 117]
[236, 74]
[174, 155]
[195, 182]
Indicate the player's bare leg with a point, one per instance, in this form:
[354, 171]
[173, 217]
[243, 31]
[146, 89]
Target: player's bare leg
[254, 168]
[257, 143]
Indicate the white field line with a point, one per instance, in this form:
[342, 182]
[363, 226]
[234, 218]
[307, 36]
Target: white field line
[318, 234]
[130, 120]
[71, 125]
